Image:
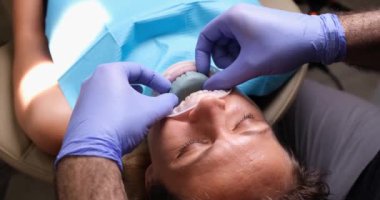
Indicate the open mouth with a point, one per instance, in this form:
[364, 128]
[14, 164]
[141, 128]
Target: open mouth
[187, 85]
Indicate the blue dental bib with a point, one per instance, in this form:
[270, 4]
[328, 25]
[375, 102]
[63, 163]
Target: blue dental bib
[83, 34]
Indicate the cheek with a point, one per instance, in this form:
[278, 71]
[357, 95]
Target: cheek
[165, 139]
[158, 144]
[153, 134]
[276, 164]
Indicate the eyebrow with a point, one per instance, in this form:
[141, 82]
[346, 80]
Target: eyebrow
[245, 117]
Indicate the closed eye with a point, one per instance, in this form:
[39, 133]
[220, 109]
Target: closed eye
[245, 117]
[184, 148]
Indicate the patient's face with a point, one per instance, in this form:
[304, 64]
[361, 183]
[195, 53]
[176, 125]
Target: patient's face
[221, 149]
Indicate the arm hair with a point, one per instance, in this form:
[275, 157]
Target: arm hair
[362, 32]
[92, 178]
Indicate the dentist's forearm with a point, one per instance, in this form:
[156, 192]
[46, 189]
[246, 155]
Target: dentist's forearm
[92, 178]
[362, 32]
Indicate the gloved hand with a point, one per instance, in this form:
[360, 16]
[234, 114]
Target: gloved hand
[248, 41]
[110, 118]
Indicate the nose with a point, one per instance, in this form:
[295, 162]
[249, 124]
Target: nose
[209, 116]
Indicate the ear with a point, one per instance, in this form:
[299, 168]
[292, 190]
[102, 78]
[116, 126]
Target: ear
[150, 177]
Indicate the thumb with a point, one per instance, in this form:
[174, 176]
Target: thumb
[165, 104]
[230, 77]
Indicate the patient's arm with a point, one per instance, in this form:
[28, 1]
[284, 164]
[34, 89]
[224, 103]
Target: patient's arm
[40, 106]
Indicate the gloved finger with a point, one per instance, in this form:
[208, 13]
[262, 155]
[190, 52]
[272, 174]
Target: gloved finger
[203, 54]
[206, 41]
[165, 104]
[230, 77]
[138, 88]
[138, 74]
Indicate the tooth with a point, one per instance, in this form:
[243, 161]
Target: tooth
[193, 99]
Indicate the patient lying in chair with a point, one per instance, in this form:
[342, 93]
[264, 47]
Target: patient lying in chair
[215, 141]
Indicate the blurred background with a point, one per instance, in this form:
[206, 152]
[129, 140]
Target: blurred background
[365, 84]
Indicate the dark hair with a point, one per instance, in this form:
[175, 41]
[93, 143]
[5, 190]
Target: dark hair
[309, 185]
[159, 192]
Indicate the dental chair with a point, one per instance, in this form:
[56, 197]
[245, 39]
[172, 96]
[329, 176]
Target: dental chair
[21, 154]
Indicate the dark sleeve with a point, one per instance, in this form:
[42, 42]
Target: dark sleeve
[368, 184]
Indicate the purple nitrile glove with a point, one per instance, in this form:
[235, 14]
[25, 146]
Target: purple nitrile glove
[111, 118]
[249, 41]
